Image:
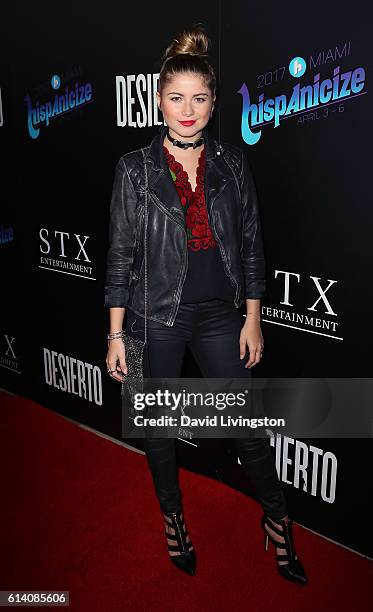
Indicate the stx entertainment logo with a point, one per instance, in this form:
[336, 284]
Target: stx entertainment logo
[8, 356]
[65, 252]
[321, 306]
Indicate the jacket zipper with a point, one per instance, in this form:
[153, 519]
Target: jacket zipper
[140, 218]
[238, 189]
[223, 255]
[181, 283]
[185, 263]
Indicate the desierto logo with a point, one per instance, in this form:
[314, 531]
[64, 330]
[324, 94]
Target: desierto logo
[63, 102]
[316, 94]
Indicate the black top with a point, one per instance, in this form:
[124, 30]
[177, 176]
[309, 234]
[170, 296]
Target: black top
[206, 277]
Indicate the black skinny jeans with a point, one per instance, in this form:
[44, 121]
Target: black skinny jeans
[211, 330]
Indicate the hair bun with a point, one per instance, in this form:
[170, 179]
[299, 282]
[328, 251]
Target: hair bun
[191, 41]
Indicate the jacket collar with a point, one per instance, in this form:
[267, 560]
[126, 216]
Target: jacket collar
[162, 186]
[156, 152]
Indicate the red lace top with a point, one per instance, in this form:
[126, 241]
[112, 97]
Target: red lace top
[206, 277]
[193, 202]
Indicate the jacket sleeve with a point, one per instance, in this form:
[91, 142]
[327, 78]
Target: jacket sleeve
[122, 228]
[252, 253]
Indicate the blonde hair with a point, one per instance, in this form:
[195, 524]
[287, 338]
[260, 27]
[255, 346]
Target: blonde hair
[188, 52]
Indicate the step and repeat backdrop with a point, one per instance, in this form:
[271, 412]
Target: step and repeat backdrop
[293, 93]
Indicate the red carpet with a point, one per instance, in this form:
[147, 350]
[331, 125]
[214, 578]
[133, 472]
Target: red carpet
[79, 514]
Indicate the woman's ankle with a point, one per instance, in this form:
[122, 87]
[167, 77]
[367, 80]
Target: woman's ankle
[175, 510]
[285, 519]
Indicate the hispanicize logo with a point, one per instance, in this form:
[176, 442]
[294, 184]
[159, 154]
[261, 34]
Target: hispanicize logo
[41, 114]
[297, 67]
[320, 90]
[6, 234]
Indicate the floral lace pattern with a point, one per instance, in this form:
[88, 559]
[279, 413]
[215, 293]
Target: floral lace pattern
[193, 202]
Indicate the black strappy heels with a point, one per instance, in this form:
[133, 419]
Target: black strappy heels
[292, 570]
[186, 560]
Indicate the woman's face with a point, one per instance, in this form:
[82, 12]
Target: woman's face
[186, 99]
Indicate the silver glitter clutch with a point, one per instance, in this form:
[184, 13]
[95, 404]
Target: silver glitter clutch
[137, 350]
[133, 381]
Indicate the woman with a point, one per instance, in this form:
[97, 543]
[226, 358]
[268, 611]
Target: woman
[201, 189]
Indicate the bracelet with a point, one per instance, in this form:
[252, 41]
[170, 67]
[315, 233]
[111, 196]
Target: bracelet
[114, 335]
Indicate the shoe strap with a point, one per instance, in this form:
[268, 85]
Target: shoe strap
[278, 544]
[171, 518]
[282, 557]
[174, 548]
[274, 528]
[286, 533]
[180, 534]
[173, 536]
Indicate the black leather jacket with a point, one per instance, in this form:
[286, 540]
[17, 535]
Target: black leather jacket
[233, 215]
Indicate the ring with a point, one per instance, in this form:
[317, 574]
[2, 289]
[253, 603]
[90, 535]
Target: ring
[110, 371]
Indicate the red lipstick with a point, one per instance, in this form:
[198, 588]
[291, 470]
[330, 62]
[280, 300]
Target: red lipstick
[187, 123]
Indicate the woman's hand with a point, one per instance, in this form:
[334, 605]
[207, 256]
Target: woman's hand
[251, 336]
[116, 352]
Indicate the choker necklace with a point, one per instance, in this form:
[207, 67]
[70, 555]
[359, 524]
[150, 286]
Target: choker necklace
[185, 145]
